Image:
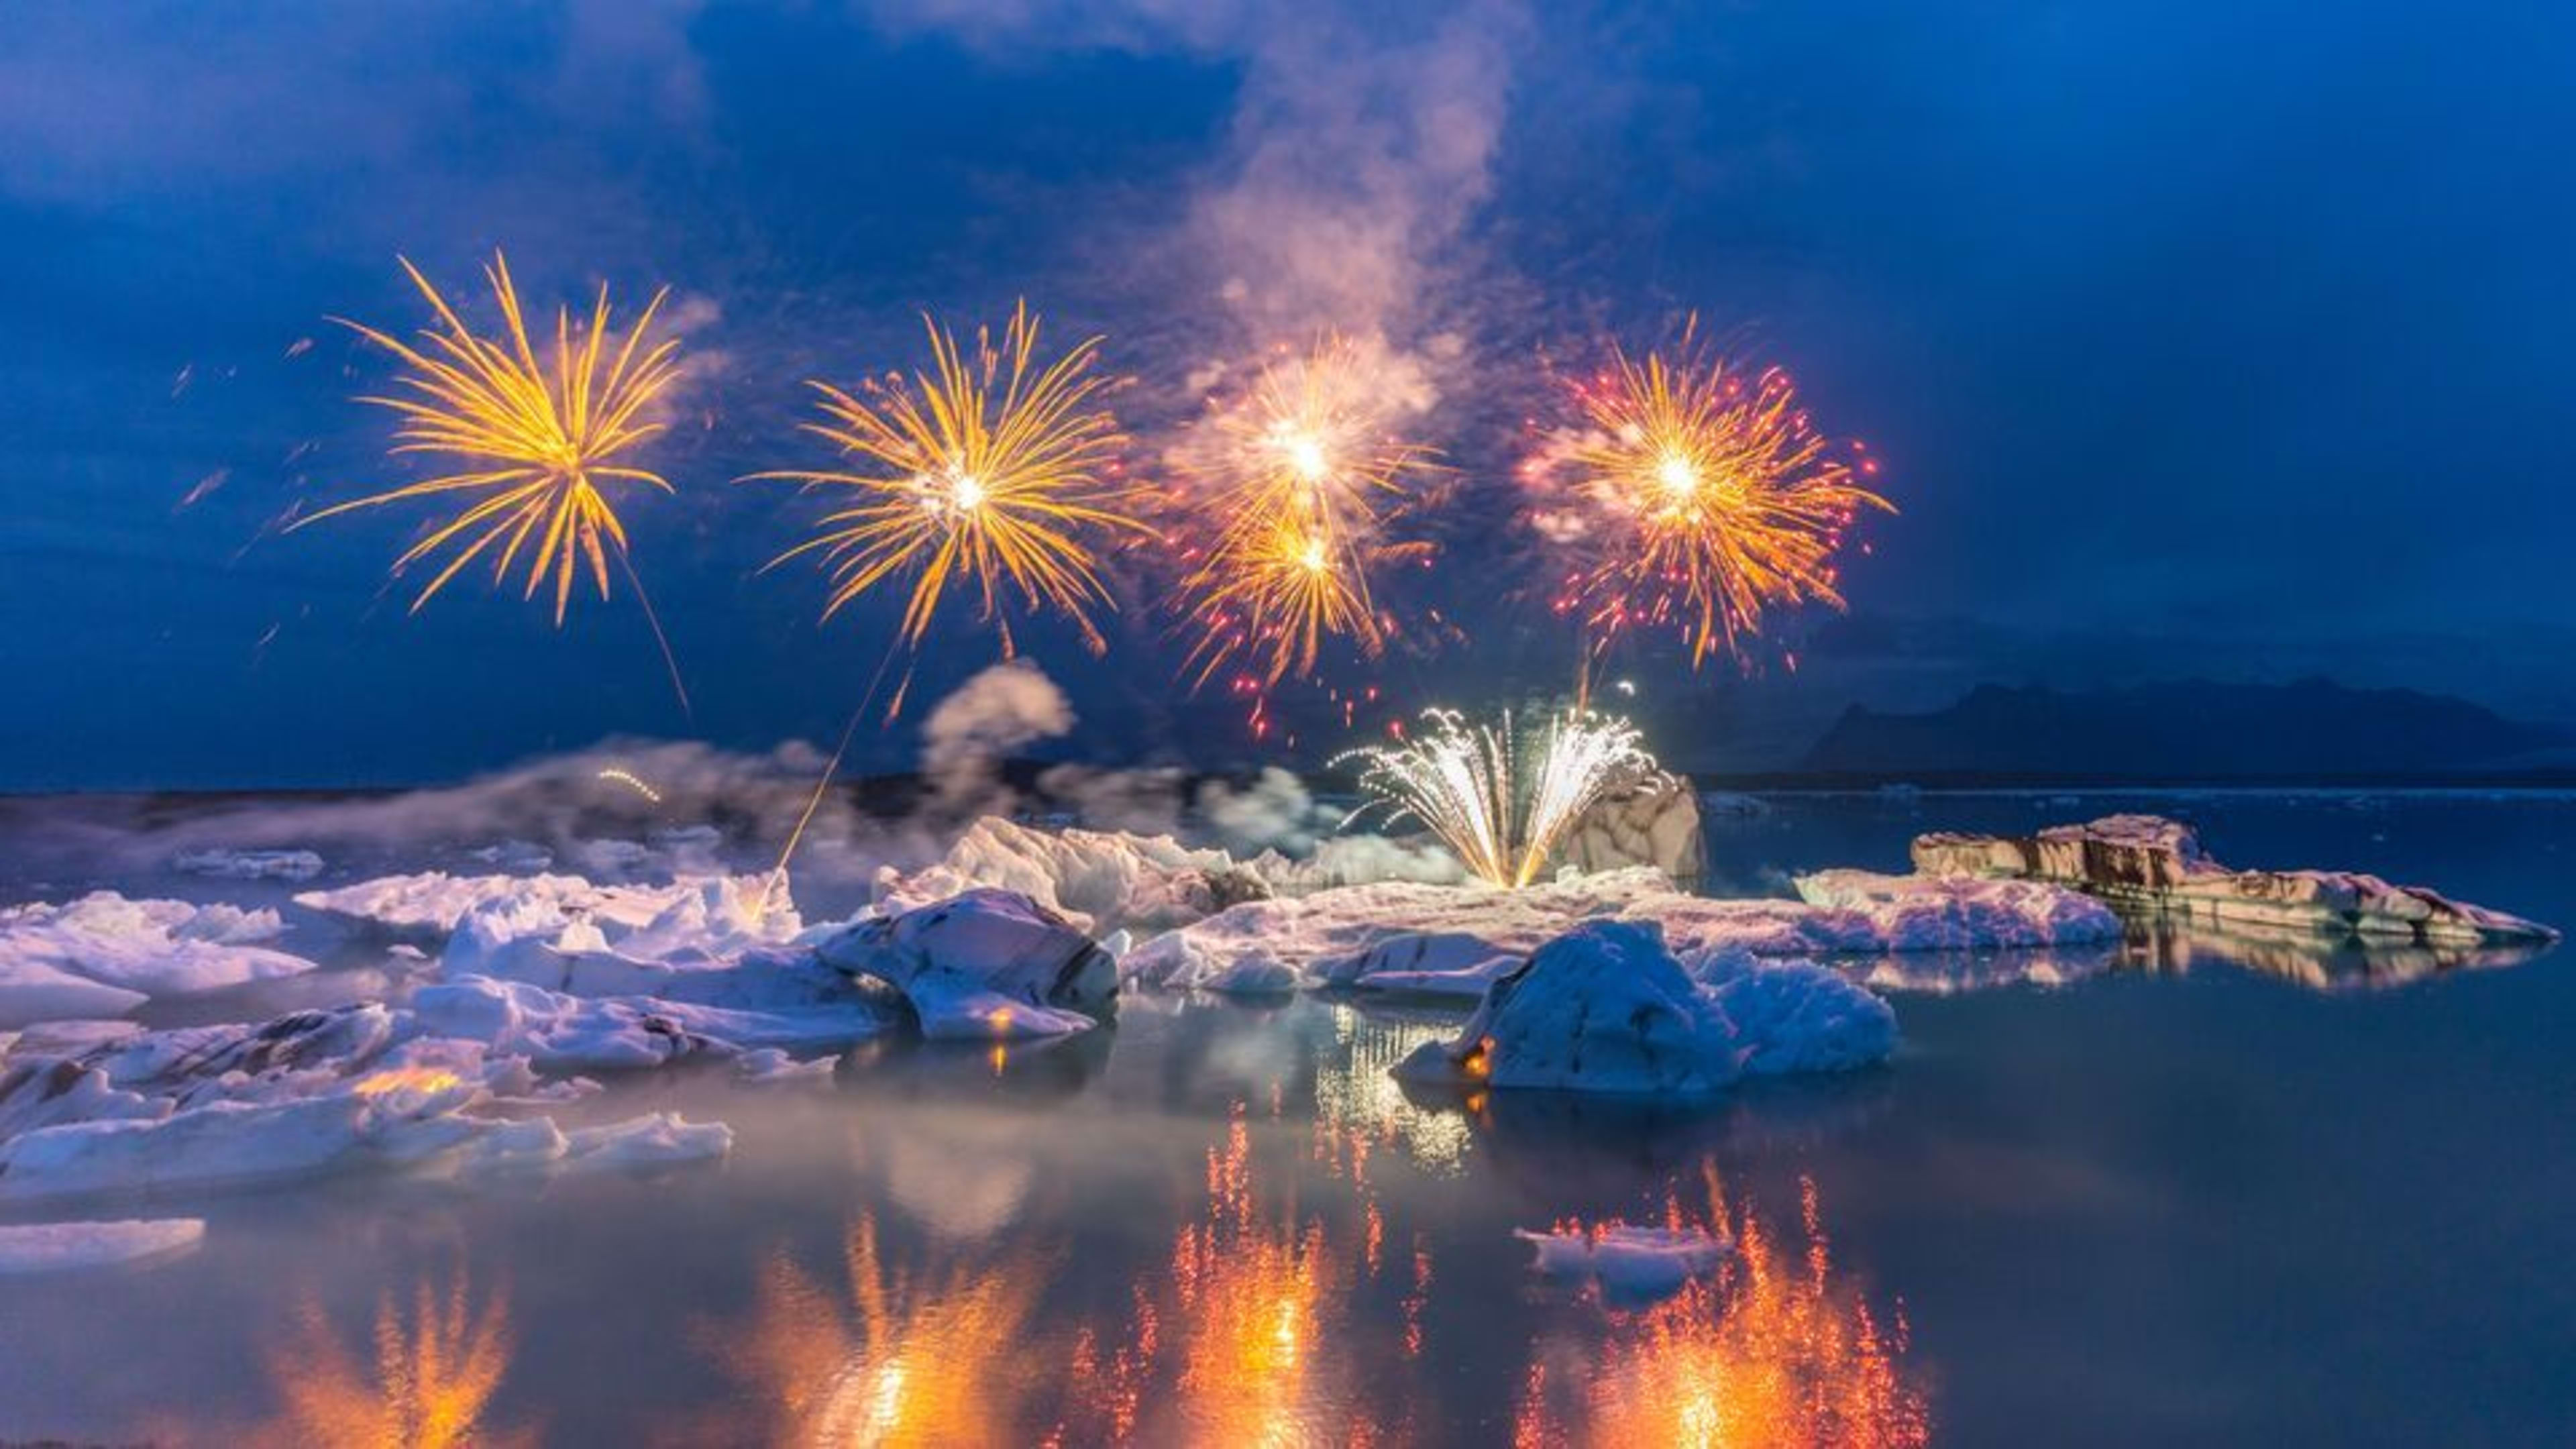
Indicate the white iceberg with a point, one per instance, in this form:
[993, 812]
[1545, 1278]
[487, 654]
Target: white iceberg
[69, 1247]
[1606, 1008]
[986, 964]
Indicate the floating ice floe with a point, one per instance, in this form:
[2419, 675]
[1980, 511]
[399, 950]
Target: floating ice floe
[70, 1247]
[2155, 863]
[378, 1085]
[358, 1087]
[1628, 1266]
[225, 864]
[1607, 1008]
[103, 954]
[657, 1139]
[984, 964]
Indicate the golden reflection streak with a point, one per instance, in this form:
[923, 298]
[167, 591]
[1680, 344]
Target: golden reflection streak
[1250, 1293]
[1769, 1351]
[899, 1359]
[425, 1382]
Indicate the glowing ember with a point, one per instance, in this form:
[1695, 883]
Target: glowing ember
[984, 471]
[1499, 802]
[420, 1081]
[627, 778]
[1697, 500]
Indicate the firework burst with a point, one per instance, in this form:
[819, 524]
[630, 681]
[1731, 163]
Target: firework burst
[532, 444]
[1702, 499]
[985, 472]
[1500, 801]
[1304, 473]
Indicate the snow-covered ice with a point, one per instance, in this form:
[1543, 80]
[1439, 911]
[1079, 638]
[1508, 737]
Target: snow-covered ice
[69, 1247]
[1451, 940]
[1098, 881]
[432, 903]
[1927, 913]
[1607, 1008]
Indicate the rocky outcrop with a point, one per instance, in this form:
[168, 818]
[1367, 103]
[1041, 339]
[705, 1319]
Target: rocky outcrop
[2151, 863]
[1655, 822]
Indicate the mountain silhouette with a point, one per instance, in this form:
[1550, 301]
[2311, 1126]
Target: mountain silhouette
[2186, 730]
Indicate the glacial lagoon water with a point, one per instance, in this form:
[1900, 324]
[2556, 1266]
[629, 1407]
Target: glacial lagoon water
[2185, 1190]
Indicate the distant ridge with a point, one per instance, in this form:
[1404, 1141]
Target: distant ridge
[2188, 731]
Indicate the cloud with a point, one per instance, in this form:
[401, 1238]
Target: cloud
[104, 104]
[1006, 708]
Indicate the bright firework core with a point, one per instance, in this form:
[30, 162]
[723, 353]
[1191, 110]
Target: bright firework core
[1305, 453]
[955, 491]
[1679, 477]
[1502, 802]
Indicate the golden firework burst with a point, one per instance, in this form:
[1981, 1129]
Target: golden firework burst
[989, 468]
[533, 442]
[1303, 473]
[1708, 499]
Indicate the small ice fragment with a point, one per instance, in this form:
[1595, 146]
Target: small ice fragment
[1629, 1266]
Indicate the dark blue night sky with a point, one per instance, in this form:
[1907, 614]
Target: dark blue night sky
[2218, 340]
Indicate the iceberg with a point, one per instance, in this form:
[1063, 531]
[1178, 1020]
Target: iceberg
[986, 964]
[1606, 1007]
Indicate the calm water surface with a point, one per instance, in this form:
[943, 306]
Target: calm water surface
[2204, 1191]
